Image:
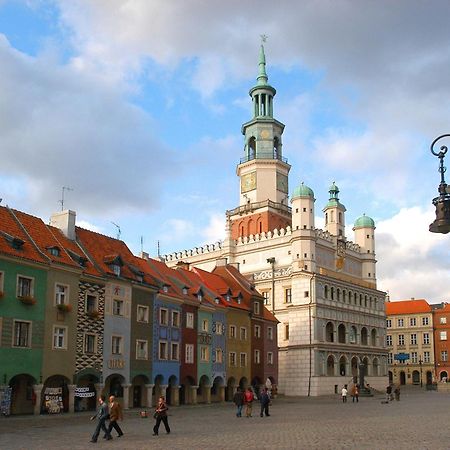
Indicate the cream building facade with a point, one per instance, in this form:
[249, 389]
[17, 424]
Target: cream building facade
[320, 285]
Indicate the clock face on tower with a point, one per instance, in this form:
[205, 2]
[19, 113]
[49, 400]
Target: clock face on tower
[248, 182]
[282, 183]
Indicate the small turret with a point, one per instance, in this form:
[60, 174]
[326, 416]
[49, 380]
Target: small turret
[335, 213]
[364, 229]
[303, 208]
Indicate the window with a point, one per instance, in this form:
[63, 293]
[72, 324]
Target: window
[89, 343]
[163, 350]
[401, 339]
[204, 353]
[175, 319]
[288, 295]
[388, 323]
[116, 345]
[444, 355]
[59, 337]
[426, 338]
[306, 294]
[256, 307]
[266, 295]
[413, 339]
[257, 331]
[61, 294]
[189, 320]
[175, 352]
[389, 340]
[443, 335]
[116, 269]
[286, 331]
[232, 331]
[91, 303]
[424, 320]
[205, 325]
[270, 333]
[390, 358]
[412, 321]
[219, 356]
[233, 359]
[257, 356]
[141, 349]
[24, 286]
[142, 313]
[22, 334]
[218, 328]
[243, 359]
[118, 307]
[400, 322]
[426, 357]
[243, 333]
[269, 358]
[189, 353]
[442, 320]
[163, 316]
[414, 357]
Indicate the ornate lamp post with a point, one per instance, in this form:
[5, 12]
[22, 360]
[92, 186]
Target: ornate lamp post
[420, 365]
[442, 202]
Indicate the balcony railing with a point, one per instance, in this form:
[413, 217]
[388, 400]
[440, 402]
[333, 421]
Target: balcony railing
[263, 155]
[253, 206]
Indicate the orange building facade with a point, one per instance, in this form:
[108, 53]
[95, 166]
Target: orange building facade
[441, 319]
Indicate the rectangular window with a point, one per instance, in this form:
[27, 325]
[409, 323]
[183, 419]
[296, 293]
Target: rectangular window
[189, 320]
[142, 313]
[116, 345]
[412, 321]
[288, 295]
[388, 323]
[257, 356]
[424, 320]
[413, 339]
[61, 294]
[269, 358]
[189, 353]
[306, 294]
[400, 322]
[266, 295]
[175, 352]
[257, 331]
[414, 357]
[22, 334]
[24, 286]
[389, 340]
[442, 320]
[91, 303]
[204, 353]
[243, 333]
[232, 331]
[163, 317]
[233, 359]
[219, 356]
[426, 357]
[89, 343]
[390, 358]
[59, 337]
[118, 307]
[163, 350]
[141, 349]
[243, 359]
[175, 319]
[205, 325]
[270, 333]
[444, 355]
[256, 307]
[218, 328]
[443, 335]
[426, 338]
[401, 339]
[286, 331]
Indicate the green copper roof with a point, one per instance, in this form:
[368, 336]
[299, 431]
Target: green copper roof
[334, 199]
[302, 191]
[262, 77]
[364, 222]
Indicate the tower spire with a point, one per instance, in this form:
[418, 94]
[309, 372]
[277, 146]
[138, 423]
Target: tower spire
[262, 77]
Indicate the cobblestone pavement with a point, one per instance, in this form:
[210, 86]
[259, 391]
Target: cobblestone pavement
[419, 421]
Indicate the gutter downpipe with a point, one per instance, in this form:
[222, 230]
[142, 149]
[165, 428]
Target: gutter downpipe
[272, 262]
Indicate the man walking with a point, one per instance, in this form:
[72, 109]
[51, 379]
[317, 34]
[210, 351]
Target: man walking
[344, 393]
[238, 400]
[115, 414]
[265, 402]
[101, 415]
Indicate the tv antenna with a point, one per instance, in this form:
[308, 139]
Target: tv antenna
[119, 232]
[64, 188]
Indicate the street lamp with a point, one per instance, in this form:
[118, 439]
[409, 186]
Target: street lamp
[442, 203]
[420, 365]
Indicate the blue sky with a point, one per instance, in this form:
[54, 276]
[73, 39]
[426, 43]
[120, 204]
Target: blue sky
[138, 105]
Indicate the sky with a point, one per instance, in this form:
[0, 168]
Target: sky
[137, 107]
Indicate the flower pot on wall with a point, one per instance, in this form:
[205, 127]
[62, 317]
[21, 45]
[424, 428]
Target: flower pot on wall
[27, 300]
[93, 314]
[63, 307]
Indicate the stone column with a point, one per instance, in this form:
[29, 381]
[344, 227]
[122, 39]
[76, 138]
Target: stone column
[194, 394]
[37, 392]
[126, 396]
[149, 402]
[71, 388]
[207, 391]
[175, 395]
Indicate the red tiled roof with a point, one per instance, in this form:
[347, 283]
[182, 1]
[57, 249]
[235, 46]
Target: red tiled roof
[407, 307]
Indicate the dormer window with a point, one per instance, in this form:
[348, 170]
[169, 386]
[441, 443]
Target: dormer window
[116, 269]
[228, 297]
[54, 251]
[199, 296]
[185, 291]
[140, 278]
[216, 300]
[165, 289]
[114, 262]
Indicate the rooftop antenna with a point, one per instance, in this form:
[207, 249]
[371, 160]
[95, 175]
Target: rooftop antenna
[263, 38]
[64, 188]
[142, 244]
[159, 253]
[118, 230]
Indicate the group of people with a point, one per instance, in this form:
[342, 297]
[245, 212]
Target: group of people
[113, 413]
[354, 392]
[390, 393]
[247, 397]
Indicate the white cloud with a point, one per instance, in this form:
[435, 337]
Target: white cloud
[89, 226]
[215, 230]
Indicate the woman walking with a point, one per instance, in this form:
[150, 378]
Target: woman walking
[161, 415]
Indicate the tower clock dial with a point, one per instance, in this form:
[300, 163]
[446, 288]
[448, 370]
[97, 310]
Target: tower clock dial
[282, 182]
[248, 182]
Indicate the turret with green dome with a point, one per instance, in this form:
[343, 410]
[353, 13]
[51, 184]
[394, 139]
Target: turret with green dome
[364, 222]
[335, 213]
[302, 191]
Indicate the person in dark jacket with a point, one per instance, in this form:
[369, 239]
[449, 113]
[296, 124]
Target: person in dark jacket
[161, 415]
[102, 415]
[115, 414]
[264, 399]
[238, 400]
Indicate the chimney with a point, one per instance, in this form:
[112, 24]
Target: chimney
[221, 262]
[65, 221]
[144, 255]
[183, 265]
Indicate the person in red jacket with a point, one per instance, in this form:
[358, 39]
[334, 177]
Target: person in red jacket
[248, 401]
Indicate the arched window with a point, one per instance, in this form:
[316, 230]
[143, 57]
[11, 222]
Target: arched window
[329, 332]
[363, 336]
[326, 218]
[373, 337]
[338, 294]
[340, 217]
[332, 293]
[325, 291]
[331, 216]
[330, 366]
[352, 335]
[259, 226]
[342, 366]
[341, 334]
[251, 149]
[344, 295]
[276, 148]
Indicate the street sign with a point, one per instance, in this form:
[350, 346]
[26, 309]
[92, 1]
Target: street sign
[401, 356]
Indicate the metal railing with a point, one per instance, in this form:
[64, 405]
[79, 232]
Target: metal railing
[263, 155]
[252, 206]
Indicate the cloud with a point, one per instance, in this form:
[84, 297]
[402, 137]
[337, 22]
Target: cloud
[215, 230]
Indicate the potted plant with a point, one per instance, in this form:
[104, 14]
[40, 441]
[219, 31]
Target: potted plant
[64, 307]
[93, 314]
[27, 300]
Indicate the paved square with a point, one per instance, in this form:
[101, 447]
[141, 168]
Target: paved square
[419, 421]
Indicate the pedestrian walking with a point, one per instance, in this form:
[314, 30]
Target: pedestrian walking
[397, 393]
[115, 414]
[238, 400]
[248, 401]
[264, 399]
[344, 393]
[102, 415]
[161, 416]
[388, 393]
[355, 393]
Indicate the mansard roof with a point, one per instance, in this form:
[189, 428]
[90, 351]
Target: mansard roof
[407, 307]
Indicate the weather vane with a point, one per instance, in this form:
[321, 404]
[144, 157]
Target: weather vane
[263, 38]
